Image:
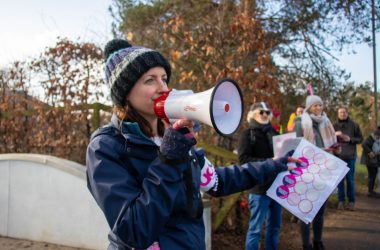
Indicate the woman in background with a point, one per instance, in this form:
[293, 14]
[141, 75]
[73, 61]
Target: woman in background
[316, 127]
[255, 145]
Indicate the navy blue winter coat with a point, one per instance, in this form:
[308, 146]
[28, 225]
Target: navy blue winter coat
[144, 199]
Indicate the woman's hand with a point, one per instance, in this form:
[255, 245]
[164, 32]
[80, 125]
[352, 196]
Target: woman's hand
[181, 125]
[371, 154]
[282, 162]
[335, 149]
[177, 141]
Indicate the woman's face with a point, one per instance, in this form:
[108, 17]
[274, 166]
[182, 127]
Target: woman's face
[316, 109]
[342, 114]
[299, 111]
[262, 116]
[149, 87]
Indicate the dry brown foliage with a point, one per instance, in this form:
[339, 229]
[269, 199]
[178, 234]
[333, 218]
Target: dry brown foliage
[68, 77]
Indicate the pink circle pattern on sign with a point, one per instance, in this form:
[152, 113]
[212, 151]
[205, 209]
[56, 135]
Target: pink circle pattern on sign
[312, 195]
[319, 159]
[313, 168]
[305, 206]
[294, 199]
[300, 187]
[331, 164]
[307, 180]
[296, 172]
[282, 191]
[307, 177]
[325, 174]
[289, 180]
[319, 184]
[308, 152]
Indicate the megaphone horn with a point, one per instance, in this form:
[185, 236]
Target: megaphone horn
[220, 107]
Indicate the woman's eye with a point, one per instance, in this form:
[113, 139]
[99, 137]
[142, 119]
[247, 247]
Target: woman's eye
[149, 80]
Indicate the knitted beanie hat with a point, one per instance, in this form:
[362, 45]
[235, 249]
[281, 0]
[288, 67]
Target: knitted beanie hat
[256, 106]
[311, 100]
[125, 64]
[259, 105]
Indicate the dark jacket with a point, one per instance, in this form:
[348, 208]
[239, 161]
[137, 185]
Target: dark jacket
[146, 200]
[255, 144]
[367, 148]
[351, 129]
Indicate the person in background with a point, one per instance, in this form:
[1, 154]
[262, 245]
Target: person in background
[255, 145]
[371, 157]
[293, 117]
[276, 120]
[145, 174]
[378, 180]
[316, 127]
[348, 135]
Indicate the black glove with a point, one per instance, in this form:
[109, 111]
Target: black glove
[176, 145]
[281, 163]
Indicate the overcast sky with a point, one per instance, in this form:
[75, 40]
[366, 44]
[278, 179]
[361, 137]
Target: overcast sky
[28, 26]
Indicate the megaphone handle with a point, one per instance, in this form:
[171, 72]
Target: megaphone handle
[196, 124]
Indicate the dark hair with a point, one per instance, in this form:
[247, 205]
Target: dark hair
[300, 106]
[343, 107]
[129, 113]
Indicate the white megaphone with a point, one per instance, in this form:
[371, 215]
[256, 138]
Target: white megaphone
[220, 107]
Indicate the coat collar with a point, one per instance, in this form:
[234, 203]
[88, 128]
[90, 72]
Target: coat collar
[131, 131]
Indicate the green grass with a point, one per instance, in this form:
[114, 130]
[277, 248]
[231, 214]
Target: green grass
[360, 175]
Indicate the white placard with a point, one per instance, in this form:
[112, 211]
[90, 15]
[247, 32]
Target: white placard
[305, 189]
[284, 143]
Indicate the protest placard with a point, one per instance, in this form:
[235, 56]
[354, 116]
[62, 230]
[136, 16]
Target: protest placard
[303, 190]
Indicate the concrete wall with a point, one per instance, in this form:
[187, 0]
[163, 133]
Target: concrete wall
[45, 198]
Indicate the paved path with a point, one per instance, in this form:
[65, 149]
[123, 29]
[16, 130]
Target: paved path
[17, 244]
[356, 230]
[344, 230]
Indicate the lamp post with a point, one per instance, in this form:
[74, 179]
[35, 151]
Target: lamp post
[374, 60]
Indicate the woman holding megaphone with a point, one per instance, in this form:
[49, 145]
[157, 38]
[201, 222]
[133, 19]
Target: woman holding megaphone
[145, 174]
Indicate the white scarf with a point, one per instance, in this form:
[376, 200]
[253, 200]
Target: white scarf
[324, 125]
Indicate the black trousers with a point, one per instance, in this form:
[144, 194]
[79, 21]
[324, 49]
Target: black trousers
[372, 173]
[317, 228]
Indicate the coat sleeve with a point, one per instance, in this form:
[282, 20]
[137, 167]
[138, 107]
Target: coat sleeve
[367, 147]
[238, 178]
[358, 137]
[245, 148]
[136, 212]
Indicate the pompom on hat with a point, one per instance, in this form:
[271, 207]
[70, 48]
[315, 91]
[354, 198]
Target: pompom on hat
[125, 64]
[312, 99]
